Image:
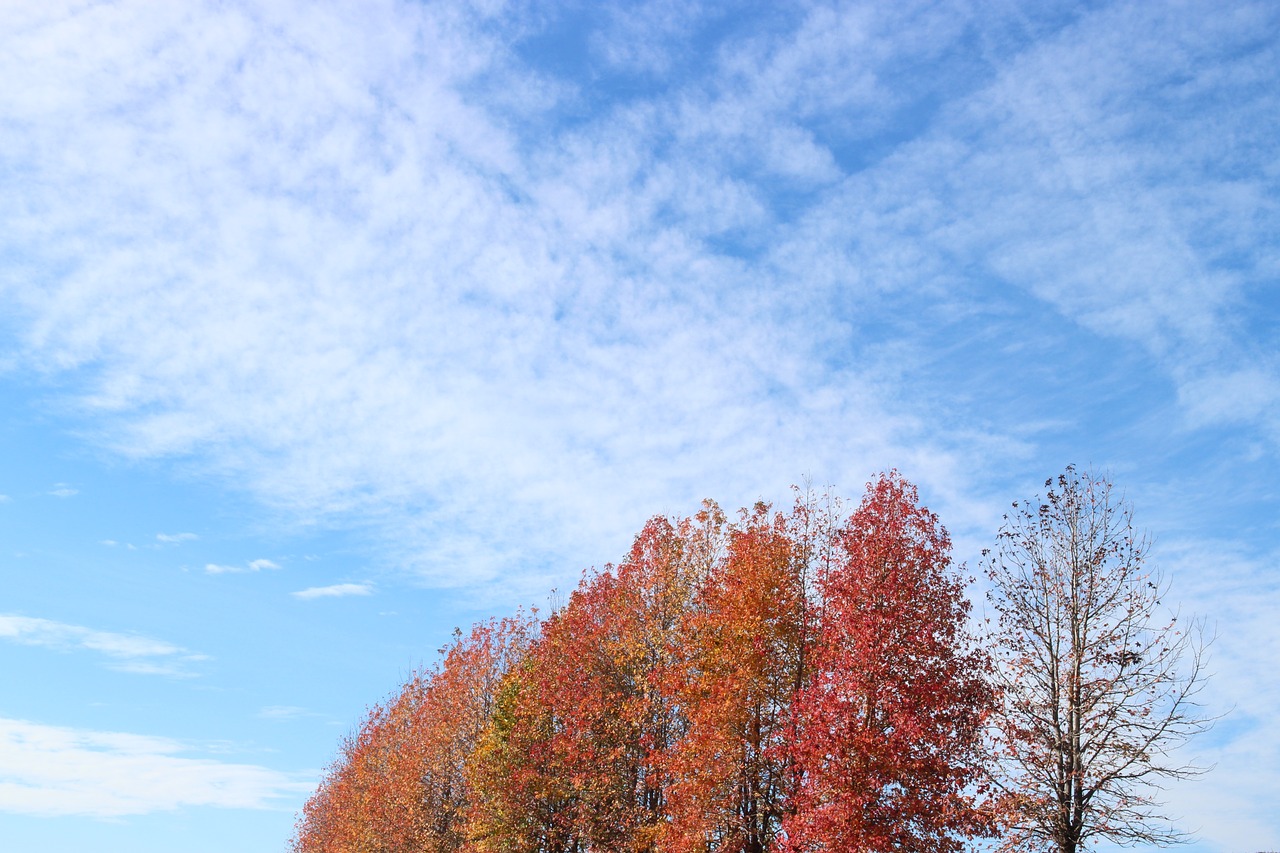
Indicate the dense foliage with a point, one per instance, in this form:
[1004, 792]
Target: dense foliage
[787, 681]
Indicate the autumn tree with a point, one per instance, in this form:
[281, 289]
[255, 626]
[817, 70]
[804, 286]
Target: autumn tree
[1099, 680]
[399, 782]
[785, 681]
[522, 798]
[889, 725]
[362, 803]
[614, 644]
[572, 760]
[742, 666]
[459, 704]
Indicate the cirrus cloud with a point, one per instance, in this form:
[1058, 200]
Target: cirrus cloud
[57, 771]
[125, 652]
[252, 566]
[338, 590]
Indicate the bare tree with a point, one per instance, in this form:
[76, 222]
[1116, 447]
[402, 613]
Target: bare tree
[1099, 681]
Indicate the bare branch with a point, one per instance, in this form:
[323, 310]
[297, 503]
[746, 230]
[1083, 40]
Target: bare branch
[1100, 687]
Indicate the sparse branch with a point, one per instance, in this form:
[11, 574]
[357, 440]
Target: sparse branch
[1099, 690]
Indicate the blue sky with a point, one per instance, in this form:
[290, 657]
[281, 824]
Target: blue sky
[328, 327]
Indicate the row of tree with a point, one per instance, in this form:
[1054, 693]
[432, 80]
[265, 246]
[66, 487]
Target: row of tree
[793, 681]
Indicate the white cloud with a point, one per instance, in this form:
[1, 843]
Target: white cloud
[125, 652]
[1092, 173]
[55, 771]
[251, 566]
[175, 538]
[4, 499]
[625, 352]
[479, 306]
[284, 712]
[1236, 396]
[1237, 592]
[62, 490]
[335, 591]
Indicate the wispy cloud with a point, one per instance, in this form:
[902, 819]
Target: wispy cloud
[337, 590]
[251, 566]
[631, 351]
[62, 490]
[607, 317]
[175, 538]
[124, 652]
[55, 771]
[1238, 589]
[284, 713]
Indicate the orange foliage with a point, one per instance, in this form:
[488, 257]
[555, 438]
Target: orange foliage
[399, 784]
[781, 682]
[587, 717]
[740, 669]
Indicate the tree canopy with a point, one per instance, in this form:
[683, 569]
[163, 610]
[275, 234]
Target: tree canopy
[785, 681]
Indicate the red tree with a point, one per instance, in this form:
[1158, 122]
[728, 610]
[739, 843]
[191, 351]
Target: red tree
[888, 729]
[364, 802]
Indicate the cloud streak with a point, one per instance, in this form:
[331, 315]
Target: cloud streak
[252, 566]
[338, 590]
[285, 713]
[124, 652]
[54, 771]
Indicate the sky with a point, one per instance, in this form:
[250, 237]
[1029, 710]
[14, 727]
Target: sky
[328, 327]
